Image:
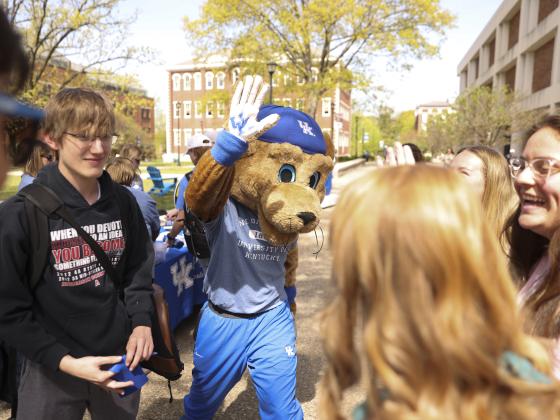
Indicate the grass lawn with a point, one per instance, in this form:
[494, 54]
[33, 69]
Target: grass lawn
[163, 202]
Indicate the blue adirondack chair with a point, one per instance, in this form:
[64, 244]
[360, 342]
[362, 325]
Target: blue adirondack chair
[160, 187]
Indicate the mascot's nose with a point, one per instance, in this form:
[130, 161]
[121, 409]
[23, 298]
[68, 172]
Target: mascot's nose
[306, 216]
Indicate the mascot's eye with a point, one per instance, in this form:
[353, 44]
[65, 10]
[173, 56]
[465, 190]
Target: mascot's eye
[287, 173]
[314, 180]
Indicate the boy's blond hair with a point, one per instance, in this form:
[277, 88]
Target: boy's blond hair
[80, 111]
[121, 170]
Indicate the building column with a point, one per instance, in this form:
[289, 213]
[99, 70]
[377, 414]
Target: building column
[555, 76]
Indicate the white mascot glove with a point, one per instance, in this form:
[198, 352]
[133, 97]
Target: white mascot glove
[245, 106]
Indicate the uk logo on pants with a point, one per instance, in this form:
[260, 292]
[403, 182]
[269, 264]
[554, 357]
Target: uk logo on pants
[290, 351]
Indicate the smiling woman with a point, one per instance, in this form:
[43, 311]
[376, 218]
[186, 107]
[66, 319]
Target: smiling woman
[535, 242]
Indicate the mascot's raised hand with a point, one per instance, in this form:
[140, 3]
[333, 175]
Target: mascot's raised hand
[244, 108]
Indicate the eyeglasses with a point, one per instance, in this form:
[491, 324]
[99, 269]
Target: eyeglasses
[540, 167]
[88, 140]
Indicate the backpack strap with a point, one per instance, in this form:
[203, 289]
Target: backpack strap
[39, 204]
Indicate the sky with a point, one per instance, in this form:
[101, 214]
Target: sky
[159, 26]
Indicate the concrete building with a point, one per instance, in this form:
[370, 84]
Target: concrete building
[424, 112]
[199, 94]
[518, 48]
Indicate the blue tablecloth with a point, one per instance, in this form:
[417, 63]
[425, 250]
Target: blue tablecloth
[181, 280]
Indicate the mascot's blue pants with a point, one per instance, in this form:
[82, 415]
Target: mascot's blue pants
[224, 347]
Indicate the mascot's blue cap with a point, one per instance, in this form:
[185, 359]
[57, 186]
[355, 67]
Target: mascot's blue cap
[294, 127]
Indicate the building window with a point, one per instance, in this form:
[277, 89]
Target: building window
[276, 78]
[221, 107]
[198, 131]
[235, 75]
[542, 66]
[197, 81]
[476, 62]
[509, 78]
[197, 109]
[176, 81]
[176, 109]
[300, 104]
[187, 81]
[187, 109]
[546, 7]
[176, 137]
[314, 74]
[513, 35]
[221, 80]
[210, 109]
[209, 77]
[286, 79]
[491, 52]
[299, 79]
[326, 107]
[187, 134]
[287, 102]
[145, 114]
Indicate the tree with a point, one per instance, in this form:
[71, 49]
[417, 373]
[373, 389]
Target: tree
[58, 33]
[480, 116]
[320, 43]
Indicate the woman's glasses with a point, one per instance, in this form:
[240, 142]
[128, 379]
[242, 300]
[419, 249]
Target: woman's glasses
[540, 167]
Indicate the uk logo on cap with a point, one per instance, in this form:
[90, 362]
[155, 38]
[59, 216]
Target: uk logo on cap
[294, 127]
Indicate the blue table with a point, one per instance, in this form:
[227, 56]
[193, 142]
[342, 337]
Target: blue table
[181, 280]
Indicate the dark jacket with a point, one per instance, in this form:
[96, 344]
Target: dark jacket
[75, 308]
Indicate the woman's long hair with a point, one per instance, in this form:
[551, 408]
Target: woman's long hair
[422, 280]
[526, 248]
[499, 199]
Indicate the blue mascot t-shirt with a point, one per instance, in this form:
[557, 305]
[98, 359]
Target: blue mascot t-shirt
[246, 272]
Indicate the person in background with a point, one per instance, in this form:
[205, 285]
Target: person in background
[14, 70]
[197, 145]
[134, 154]
[40, 155]
[416, 152]
[425, 303]
[488, 173]
[122, 172]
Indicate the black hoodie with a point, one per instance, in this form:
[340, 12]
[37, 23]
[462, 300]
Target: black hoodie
[75, 308]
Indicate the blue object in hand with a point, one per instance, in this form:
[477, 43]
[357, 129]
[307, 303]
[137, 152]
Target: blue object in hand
[123, 374]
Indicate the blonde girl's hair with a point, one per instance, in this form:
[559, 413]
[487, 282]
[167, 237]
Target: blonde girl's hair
[35, 162]
[121, 170]
[499, 199]
[423, 283]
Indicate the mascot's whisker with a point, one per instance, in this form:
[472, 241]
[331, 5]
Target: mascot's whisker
[316, 253]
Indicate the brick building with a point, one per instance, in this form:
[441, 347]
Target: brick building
[518, 48]
[199, 96]
[424, 112]
[130, 100]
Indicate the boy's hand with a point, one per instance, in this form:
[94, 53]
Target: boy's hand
[244, 108]
[140, 346]
[89, 369]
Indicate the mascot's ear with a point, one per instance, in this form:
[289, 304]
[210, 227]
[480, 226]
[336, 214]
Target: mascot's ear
[330, 145]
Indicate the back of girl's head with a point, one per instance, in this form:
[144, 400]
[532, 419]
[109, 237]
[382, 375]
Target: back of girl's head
[420, 271]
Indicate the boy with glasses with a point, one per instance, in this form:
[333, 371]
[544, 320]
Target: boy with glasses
[73, 324]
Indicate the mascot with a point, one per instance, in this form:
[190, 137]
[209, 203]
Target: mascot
[259, 187]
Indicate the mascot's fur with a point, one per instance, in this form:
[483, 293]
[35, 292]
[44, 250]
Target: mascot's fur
[284, 209]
